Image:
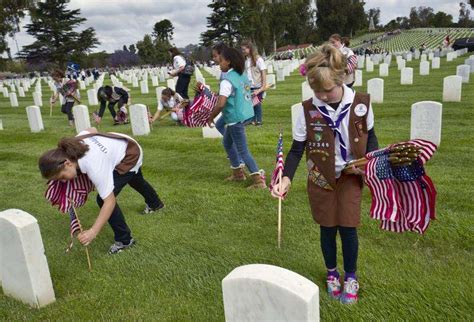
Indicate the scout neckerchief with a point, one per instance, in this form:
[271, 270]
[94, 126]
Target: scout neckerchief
[335, 125]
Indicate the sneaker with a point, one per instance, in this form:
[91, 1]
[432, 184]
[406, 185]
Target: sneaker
[334, 287]
[349, 295]
[258, 124]
[148, 210]
[117, 247]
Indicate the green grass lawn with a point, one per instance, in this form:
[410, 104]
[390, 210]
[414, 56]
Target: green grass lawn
[209, 226]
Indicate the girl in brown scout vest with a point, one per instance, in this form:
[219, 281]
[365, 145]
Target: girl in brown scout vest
[111, 161]
[334, 127]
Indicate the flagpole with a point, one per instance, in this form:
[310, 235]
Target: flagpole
[50, 109]
[279, 211]
[80, 226]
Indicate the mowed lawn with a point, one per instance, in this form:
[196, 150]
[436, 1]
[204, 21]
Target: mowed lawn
[209, 227]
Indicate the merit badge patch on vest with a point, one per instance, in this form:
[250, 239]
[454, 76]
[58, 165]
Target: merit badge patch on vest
[315, 114]
[360, 110]
[318, 136]
[318, 179]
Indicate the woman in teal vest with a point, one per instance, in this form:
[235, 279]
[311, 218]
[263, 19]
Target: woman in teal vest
[235, 102]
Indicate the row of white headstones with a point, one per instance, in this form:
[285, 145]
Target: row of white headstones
[251, 293]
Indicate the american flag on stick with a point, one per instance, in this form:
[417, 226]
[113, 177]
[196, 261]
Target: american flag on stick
[75, 226]
[403, 197]
[276, 176]
[62, 193]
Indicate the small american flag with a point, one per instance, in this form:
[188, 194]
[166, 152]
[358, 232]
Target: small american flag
[75, 226]
[352, 64]
[403, 197]
[278, 163]
[60, 193]
[197, 114]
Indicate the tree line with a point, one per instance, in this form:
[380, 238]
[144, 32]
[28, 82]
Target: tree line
[268, 23]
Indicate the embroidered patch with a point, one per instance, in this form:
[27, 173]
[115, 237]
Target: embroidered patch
[318, 136]
[315, 114]
[318, 179]
[360, 110]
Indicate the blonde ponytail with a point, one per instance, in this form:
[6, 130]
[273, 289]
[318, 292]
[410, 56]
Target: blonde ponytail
[326, 68]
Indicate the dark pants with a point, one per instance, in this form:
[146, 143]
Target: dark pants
[350, 247]
[111, 107]
[137, 182]
[66, 108]
[182, 85]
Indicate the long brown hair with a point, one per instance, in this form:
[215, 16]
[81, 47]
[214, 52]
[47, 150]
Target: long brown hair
[52, 162]
[253, 51]
[174, 51]
[326, 67]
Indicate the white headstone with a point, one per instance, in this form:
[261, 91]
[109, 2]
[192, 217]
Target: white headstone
[82, 85]
[406, 76]
[21, 92]
[154, 81]
[426, 121]
[1, 128]
[424, 67]
[171, 84]
[81, 117]
[24, 269]
[435, 63]
[452, 86]
[383, 70]
[375, 89]
[430, 56]
[34, 119]
[13, 100]
[271, 80]
[269, 293]
[280, 75]
[470, 62]
[144, 87]
[369, 66]
[210, 133]
[38, 99]
[296, 110]
[139, 119]
[306, 91]
[92, 97]
[401, 64]
[134, 81]
[270, 68]
[423, 57]
[450, 56]
[409, 57]
[5, 92]
[464, 71]
[358, 78]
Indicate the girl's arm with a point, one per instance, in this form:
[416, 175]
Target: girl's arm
[217, 109]
[156, 116]
[87, 236]
[264, 81]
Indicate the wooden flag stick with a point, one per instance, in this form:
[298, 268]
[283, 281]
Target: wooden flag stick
[80, 226]
[149, 115]
[50, 109]
[279, 212]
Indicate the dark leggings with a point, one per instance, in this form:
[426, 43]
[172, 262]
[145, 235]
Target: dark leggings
[136, 181]
[182, 85]
[66, 108]
[350, 247]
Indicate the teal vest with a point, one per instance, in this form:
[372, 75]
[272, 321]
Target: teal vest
[238, 107]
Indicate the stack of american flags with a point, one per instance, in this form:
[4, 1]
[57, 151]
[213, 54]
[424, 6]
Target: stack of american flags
[403, 197]
[197, 114]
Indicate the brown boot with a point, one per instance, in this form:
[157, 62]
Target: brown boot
[237, 175]
[258, 181]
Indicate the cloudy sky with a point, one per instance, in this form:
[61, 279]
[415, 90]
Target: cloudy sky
[119, 22]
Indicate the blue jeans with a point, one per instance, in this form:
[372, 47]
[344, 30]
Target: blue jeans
[257, 109]
[235, 144]
[220, 126]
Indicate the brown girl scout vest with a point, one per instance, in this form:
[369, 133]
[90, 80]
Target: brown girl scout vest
[334, 202]
[132, 153]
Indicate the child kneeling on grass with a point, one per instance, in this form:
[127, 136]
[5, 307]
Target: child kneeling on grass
[335, 126]
[111, 161]
[235, 102]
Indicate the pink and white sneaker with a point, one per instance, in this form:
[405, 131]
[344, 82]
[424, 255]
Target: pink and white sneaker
[334, 287]
[349, 295]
